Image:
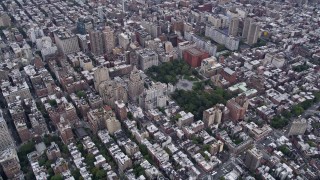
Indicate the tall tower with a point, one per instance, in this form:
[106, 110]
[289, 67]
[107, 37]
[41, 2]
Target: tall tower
[253, 33]
[81, 26]
[233, 26]
[113, 125]
[108, 39]
[246, 26]
[123, 10]
[253, 159]
[10, 164]
[96, 42]
[135, 86]
[100, 13]
[100, 75]
[6, 140]
[298, 127]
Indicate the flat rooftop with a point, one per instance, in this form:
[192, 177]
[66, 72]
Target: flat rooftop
[195, 51]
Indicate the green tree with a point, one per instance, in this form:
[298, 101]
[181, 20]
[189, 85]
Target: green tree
[94, 170]
[56, 177]
[65, 149]
[278, 122]
[29, 175]
[48, 164]
[306, 104]
[286, 114]
[285, 150]
[176, 117]
[138, 170]
[143, 149]
[81, 94]
[80, 147]
[129, 115]
[317, 96]
[197, 139]
[42, 160]
[22, 154]
[53, 102]
[206, 147]
[90, 159]
[100, 174]
[198, 100]
[76, 174]
[297, 110]
[169, 72]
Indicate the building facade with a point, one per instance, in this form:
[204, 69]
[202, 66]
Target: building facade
[253, 159]
[109, 41]
[135, 84]
[238, 107]
[6, 140]
[101, 74]
[66, 42]
[96, 42]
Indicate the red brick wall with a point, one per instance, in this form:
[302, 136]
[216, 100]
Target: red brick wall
[192, 60]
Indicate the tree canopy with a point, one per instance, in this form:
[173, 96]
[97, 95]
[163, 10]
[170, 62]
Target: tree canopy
[81, 94]
[53, 102]
[56, 177]
[198, 99]
[169, 72]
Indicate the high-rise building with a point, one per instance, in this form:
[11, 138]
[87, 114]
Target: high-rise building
[253, 159]
[246, 27]
[10, 163]
[113, 90]
[6, 140]
[113, 125]
[101, 74]
[22, 129]
[66, 42]
[65, 131]
[155, 96]
[109, 41]
[253, 33]
[250, 31]
[100, 13]
[147, 58]
[83, 24]
[238, 107]
[221, 37]
[124, 40]
[194, 56]
[185, 119]
[233, 26]
[83, 42]
[121, 110]
[135, 85]
[216, 147]
[96, 42]
[212, 116]
[151, 28]
[298, 127]
[97, 118]
[5, 20]
[81, 27]
[210, 67]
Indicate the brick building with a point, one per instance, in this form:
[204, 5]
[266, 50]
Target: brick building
[194, 56]
[229, 75]
[121, 110]
[238, 107]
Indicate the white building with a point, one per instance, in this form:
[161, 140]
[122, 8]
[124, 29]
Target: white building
[6, 140]
[66, 42]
